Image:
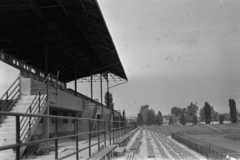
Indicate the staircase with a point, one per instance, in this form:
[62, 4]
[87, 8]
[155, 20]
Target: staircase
[89, 111]
[8, 127]
[30, 104]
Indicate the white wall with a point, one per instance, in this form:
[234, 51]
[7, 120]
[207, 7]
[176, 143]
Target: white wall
[8, 75]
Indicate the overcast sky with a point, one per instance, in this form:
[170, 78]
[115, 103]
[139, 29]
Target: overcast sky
[175, 52]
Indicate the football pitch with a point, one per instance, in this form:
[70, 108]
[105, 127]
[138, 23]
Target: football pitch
[221, 142]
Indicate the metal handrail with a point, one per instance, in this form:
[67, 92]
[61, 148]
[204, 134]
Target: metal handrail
[8, 103]
[19, 144]
[36, 105]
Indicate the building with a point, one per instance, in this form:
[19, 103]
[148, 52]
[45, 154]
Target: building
[52, 43]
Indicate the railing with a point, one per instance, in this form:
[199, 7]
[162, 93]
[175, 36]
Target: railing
[211, 151]
[11, 96]
[76, 135]
[39, 101]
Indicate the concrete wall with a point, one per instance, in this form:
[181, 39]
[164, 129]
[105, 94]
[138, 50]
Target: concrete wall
[67, 101]
[8, 75]
[25, 84]
[65, 127]
[63, 100]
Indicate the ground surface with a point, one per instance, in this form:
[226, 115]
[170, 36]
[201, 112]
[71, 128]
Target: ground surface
[233, 136]
[143, 151]
[220, 142]
[68, 146]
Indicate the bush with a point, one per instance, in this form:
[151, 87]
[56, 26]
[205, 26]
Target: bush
[37, 149]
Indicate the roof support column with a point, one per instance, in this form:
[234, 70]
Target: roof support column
[91, 87]
[101, 87]
[46, 54]
[76, 57]
[110, 111]
[75, 77]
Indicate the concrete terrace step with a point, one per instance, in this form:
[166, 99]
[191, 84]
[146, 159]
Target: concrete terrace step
[7, 134]
[7, 152]
[27, 97]
[6, 141]
[9, 124]
[7, 129]
[11, 119]
[8, 156]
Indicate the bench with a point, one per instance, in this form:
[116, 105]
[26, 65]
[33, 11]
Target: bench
[149, 147]
[135, 146]
[130, 157]
[104, 154]
[160, 149]
[121, 142]
[140, 134]
[174, 155]
[125, 139]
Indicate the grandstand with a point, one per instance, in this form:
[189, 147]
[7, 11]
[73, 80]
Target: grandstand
[52, 43]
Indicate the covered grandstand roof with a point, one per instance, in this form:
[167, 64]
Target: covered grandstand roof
[66, 32]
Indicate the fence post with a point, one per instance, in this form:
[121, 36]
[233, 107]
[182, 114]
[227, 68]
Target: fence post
[18, 137]
[89, 124]
[110, 132]
[29, 122]
[56, 135]
[113, 130]
[98, 135]
[105, 134]
[39, 102]
[76, 132]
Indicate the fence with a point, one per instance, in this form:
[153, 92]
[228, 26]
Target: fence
[208, 150]
[114, 133]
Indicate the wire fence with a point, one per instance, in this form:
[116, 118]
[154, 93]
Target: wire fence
[211, 151]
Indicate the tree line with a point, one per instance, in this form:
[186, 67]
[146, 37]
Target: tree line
[147, 116]
[188, 115]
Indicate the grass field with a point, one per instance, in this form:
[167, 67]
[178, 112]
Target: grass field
[220, 142]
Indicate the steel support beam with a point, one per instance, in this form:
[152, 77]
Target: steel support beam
[91, 87]
[46, 55]
[101, 87]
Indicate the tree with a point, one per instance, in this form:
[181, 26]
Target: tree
[221, 118]
[192, 109]
[195, 120]
[207, 113]
[226, 117]
[202, 115]
[159, 118]
[170, 121]
[233, 110]
[144, 111]
[140, 119]
[109, 100]
[190, 112]
[182, 119]
[151, 117]
[176, 111]
[214, 114]
[183, 111]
